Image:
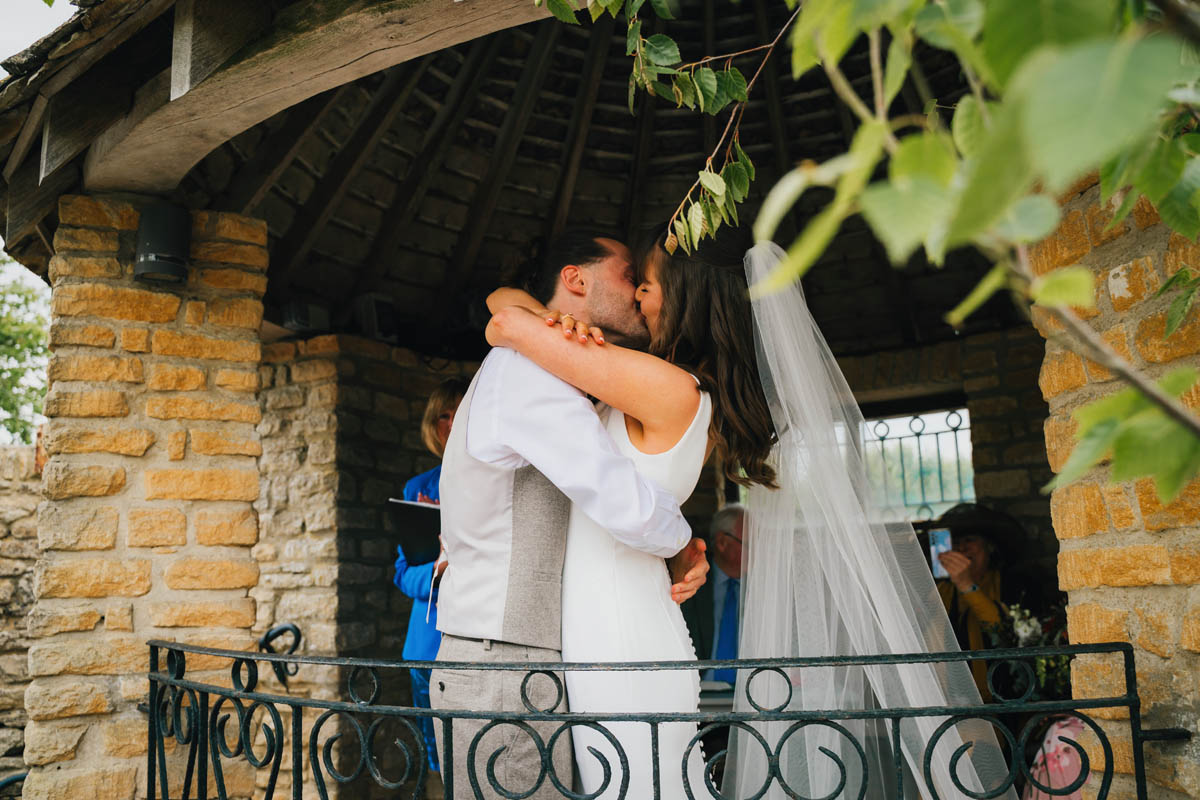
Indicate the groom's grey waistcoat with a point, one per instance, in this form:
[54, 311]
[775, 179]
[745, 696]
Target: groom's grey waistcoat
[505, 532]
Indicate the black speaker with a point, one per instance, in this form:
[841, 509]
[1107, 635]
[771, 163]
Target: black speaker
[163, 243]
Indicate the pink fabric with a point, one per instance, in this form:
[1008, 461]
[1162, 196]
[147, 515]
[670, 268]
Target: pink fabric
[1057, 764]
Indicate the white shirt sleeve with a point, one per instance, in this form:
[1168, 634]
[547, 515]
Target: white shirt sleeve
[521, 414]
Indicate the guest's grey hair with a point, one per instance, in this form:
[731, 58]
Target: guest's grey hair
[725, 520]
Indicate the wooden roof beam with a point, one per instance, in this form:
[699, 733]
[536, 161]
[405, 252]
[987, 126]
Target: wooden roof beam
[353, 155]
[487, 193]
[783, 163]
[581, 120]
[310, 47]
[425, 165]
[207, 33]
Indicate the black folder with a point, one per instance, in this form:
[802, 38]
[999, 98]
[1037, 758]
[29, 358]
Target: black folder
[417, 527]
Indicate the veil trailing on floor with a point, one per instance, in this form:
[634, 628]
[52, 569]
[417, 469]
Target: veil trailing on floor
[825, 576]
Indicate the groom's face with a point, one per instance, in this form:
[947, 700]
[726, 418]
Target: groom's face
[610, 302]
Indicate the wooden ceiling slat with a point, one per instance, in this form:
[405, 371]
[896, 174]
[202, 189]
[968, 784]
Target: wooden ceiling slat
[783, 162]
[325, 197]
[537, 66]
[581, 120]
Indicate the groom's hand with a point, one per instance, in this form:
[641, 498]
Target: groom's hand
[689, 570]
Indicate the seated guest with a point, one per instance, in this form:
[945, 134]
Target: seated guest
[712, 615]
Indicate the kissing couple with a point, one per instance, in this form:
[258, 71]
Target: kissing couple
[565, 541]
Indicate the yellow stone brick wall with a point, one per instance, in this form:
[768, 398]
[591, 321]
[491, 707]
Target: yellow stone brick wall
[1131, 567]
[147, 526]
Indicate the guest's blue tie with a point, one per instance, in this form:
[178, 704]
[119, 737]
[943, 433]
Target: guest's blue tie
[727, 636]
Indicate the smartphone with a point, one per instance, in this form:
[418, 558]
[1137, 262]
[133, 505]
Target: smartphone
[939, 542]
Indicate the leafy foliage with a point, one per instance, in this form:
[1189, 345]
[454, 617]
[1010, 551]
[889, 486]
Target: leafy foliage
[1059, 89]
[23, 348]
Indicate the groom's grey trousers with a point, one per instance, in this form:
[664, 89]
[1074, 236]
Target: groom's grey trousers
[519, 766]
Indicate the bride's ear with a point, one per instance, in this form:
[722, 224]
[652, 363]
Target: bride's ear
[574, 279]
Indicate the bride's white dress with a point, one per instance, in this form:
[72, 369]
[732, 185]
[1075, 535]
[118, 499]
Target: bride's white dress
[617, 606]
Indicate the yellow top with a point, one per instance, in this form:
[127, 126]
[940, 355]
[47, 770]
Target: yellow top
[974, 610]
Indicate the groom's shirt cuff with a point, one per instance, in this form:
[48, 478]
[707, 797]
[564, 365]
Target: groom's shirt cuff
[521, 414]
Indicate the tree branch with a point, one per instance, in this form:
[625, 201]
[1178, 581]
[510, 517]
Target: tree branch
[844, 90]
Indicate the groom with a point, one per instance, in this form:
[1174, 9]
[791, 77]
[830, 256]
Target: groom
[525, 445]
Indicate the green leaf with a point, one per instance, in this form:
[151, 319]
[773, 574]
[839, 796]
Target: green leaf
[1176, 281]
[1178, 310]
[687, 89]
[737, 180]
[1031, 219]
[995, 280]
[1089, 450]
[927, 155]
[1150, 443]
[1071, 286]
[712, 182]
[1171, 477]
[595, 10]
[662, 50]
[779, 201]
[743, 159]
[1015, 28]
[706, 87]
[868, 14]
[662, 8]
[683, 235]
[967, 127]
[633, 37]
[660, 89]
[1161, 170]
[733, 84]
[632, 7]
[947, 24]
[899, 59]
[828, 22]
[901, 214]
[1179, 208]
[723, 98]
[1083, 104]
[563, 11]
[696, 223]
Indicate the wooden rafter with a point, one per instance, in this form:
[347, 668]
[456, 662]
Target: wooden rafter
[779, 145]
[710, 46]
[581, 119]
[308, 223]
[631, 206]
[487, 193]
[207, 33]
[426, 164]
[276, 153]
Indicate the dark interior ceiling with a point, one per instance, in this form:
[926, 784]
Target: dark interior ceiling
[428, 182]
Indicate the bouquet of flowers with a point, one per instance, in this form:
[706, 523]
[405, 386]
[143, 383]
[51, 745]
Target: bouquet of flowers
[1020, 628]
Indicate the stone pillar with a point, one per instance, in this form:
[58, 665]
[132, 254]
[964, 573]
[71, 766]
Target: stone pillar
[1130, 565]
[147, 525]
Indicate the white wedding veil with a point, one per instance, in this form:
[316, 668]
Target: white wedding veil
[825, 576]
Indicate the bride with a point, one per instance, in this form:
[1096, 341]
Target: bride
[756, 383]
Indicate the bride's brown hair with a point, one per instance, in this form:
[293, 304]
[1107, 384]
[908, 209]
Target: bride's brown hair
[705, 325]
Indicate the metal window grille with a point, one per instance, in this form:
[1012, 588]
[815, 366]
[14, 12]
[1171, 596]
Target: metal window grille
[920, 463]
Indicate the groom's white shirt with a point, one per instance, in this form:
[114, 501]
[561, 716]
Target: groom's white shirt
[520, 415]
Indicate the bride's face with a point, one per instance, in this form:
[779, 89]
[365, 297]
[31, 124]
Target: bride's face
[649, 295]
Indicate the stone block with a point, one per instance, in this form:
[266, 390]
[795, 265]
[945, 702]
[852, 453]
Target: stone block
[77, 526]
[118, 616]
[285, 397]
[198, 408]
[218, 225]
[167, 342]
[83, 239]
[210, 443]
[46, 620]
[236, 380]
[63, 438]
[1183, 511]
[1078, 511]
[200, 573]
[1145, 214]
[1117, 338]
[157, 527]
[164, 377]
[232, 613]
[1182, 343]
[1136, 565]
[248, 255]
[58, 699]
[227, 528]
[95, 368]
[94, 577]
[1002, 483]
[48, 742]
[390, 405]
[202, 484]
[1181, 252]
[1189, 635]
[193, 312]
[87, 783]
[1061, 372]
[1092, 623]
[238, 280]
[1154, 633]
[278, 352]
[1185, 564]
[1060, 439]
[82, 267]
[104, 655]
[1064, 247]
[125, 737]
[94, 212]
[63, 335]
[62, 480]
[1132, 283]
[239, 312]
[1120, 509]
[1099, 217]
[99, 300]
[135, 340]
[1093, 678]
[177, 445]
[313, 370]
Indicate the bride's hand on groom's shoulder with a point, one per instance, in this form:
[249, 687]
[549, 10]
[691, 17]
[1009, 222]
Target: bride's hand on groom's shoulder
[573, 328]
[689, 570]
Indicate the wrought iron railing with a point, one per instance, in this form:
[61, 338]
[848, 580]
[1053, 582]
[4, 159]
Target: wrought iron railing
[924, 470]
[213, 726]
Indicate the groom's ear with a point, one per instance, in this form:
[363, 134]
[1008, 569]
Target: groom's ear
[574, 279]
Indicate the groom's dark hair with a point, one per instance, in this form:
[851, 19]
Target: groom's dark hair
[577, 246]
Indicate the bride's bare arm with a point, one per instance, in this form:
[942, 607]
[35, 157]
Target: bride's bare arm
[660, 395]
[507, 296]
